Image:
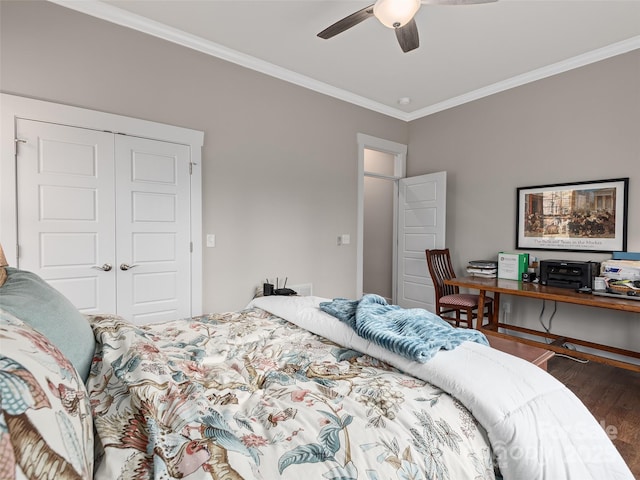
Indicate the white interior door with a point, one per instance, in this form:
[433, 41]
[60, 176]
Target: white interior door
[65, 209]
[153, 232]
[421, 226]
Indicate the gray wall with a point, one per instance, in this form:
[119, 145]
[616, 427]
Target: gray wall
[279, 161]
[580, 125]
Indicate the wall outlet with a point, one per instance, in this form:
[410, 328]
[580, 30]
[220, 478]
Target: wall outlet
[211, 240]
[506, 307]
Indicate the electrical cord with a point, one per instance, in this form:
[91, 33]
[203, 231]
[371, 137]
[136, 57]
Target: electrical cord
[579, 360]
[568, 346]
[544, 304]
[555, 309]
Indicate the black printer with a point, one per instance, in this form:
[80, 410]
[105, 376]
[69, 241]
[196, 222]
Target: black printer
[566, 274]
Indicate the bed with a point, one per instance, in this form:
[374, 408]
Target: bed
[280, 389]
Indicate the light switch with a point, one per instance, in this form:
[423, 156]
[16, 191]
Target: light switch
[344, 239]
[211, 240]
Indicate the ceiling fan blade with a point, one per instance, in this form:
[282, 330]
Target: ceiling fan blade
[347, 22]
[408, 36]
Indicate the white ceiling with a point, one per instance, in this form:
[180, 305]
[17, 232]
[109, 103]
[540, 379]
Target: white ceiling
[466, 51]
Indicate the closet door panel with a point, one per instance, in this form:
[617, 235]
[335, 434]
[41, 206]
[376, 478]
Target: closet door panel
[65, 204]
[153, 241]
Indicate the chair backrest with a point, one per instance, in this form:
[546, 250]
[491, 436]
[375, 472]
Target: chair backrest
[441, 269]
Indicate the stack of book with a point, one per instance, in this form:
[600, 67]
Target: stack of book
[483, 268]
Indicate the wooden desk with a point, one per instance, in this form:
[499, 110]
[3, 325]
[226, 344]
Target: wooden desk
[534, 290]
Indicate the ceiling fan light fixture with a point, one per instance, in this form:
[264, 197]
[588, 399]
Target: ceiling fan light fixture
[395, 13]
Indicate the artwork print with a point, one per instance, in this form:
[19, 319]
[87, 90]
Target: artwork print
[581, 216]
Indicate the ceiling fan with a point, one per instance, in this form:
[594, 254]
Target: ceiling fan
[396, 14]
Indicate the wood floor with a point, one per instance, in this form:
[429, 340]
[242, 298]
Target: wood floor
[613, 397]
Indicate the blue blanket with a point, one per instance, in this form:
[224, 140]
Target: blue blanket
[413, 333]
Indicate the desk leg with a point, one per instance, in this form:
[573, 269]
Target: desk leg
[495, 318]
[482, 294]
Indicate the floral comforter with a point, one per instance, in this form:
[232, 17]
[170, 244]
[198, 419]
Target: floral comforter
[247, 395]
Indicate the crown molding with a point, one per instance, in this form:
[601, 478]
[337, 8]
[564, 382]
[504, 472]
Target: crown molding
[555, 68]
[112, 14]
[142, 24]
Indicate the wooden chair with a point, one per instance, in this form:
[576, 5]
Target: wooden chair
[448, 298]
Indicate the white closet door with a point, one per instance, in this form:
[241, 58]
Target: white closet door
[66, 217]
[153, 229]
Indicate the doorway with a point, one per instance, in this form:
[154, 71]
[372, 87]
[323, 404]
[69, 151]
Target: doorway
[385, 165]
[380, 192]
[418, 222]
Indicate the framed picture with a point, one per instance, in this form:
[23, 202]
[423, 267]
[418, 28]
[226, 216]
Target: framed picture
[580, 216]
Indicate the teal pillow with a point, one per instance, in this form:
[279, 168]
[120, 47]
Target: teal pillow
[29, 298]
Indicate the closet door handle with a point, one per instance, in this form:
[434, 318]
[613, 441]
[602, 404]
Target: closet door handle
[125, 267]
[105, 268]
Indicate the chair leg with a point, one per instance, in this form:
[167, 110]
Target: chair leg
[469, 317]
[444, 317]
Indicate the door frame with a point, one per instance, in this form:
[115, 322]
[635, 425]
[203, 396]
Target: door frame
[14, 107]
[399, 152]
